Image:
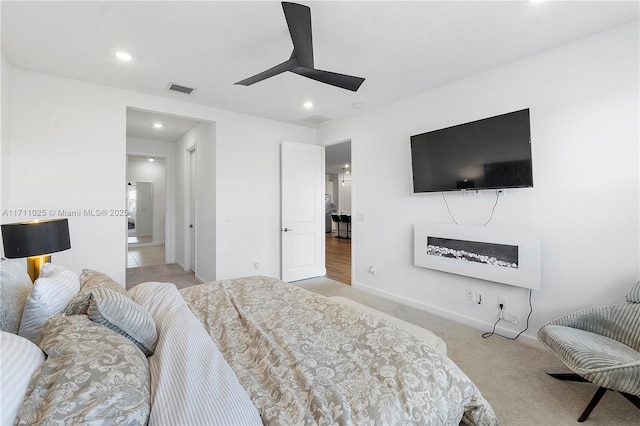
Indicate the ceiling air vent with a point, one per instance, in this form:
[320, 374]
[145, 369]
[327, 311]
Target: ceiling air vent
[316, 119]
[179, 88]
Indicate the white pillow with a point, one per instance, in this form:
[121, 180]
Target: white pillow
[19, 358]
[49, 296]
[15, 286]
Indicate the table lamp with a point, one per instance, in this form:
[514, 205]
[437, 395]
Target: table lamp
[36, 241]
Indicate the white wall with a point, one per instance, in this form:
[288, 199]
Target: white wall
[203, 138]
[248, 195]
[67, 143]
[584, 124]
[5, 103]
[67, 152]
[142, 170]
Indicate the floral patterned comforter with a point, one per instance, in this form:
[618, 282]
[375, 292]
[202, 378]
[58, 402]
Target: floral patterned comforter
[305, 359]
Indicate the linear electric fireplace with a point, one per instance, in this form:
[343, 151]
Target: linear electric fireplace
[504, 255]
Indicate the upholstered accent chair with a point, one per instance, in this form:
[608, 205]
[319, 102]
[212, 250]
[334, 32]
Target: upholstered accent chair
[600, 345]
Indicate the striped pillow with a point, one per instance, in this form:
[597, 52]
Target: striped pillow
[50, 294]
[634, 294]
[89, 280]
[121, 314]
[19, 358]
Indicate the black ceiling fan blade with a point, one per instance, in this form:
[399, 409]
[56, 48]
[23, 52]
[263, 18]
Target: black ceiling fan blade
[287, 65]
[298, 19]
[344, 81]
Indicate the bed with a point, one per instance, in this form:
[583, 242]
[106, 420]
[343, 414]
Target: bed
[253, 350]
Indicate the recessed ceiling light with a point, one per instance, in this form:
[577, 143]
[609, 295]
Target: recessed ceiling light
[307, 105]
[157, 125]
[123, 56]
[346, 165]
[152, 159]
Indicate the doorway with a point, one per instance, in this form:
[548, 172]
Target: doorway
[339, 235]
[146, 207]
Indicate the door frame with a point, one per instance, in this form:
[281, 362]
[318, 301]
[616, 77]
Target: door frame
[190, 237]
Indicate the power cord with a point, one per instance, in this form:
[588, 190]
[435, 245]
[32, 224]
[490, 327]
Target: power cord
[498, 191]
[493, 331]
[494, 207]
[449, 210]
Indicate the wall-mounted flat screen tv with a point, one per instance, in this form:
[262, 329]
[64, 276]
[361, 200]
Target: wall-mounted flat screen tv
[492, 153]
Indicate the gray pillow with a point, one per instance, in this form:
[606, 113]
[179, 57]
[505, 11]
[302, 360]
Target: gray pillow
[15, 286]
[92, 376]
[634, 294]
[89, 280]
[121, 314]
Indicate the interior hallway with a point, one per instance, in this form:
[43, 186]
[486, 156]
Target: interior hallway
[145, 256]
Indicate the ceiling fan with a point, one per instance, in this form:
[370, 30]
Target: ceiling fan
[301, 61]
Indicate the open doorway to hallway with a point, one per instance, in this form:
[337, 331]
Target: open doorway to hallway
[146, 207]
[339, 234]
[338, 258]
[170, 138]
[151, 143]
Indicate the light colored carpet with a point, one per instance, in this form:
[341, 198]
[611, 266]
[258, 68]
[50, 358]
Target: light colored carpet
[172, 273]
[510, 375]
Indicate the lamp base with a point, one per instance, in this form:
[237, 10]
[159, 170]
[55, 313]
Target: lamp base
[34, 265]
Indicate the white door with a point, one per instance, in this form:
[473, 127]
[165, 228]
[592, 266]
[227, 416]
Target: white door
[302, 211]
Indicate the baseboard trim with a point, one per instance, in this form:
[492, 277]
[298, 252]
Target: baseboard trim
[453, 316]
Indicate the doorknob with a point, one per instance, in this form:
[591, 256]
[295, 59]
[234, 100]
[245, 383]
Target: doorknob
[287, 229]
[191, 225]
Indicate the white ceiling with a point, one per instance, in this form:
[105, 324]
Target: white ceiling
[401, 48]
[140, 125]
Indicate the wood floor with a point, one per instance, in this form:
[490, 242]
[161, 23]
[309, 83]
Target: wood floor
[338, 258]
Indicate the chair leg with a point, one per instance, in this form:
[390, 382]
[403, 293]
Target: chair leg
[572, 377]
[592, 404]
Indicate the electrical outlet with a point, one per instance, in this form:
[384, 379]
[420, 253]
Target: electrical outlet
[509, 317]
[480, 298]
[256, 265]
[470, 295]
[502, 301]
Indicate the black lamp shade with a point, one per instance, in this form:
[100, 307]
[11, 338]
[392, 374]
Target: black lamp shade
[26, 239]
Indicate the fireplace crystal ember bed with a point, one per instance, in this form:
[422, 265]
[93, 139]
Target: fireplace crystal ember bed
[504, 255]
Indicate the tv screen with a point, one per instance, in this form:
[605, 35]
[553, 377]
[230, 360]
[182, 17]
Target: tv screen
[491, 153]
